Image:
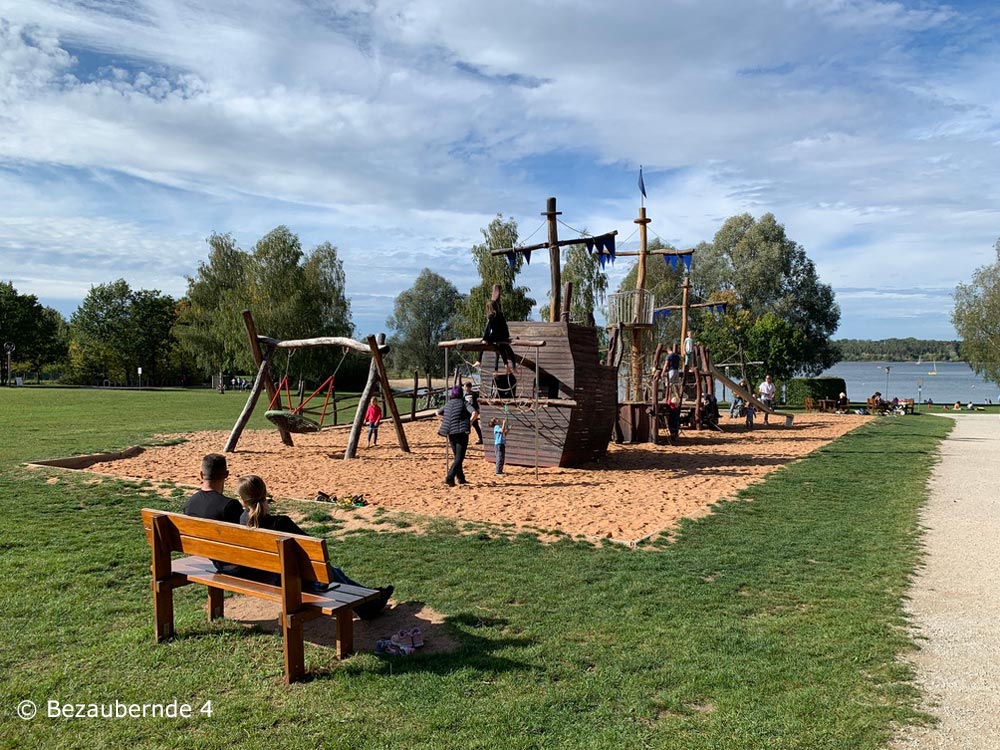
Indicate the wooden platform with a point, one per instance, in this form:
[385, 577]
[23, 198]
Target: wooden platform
[576, 397]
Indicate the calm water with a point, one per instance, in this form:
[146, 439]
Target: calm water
[955, 381]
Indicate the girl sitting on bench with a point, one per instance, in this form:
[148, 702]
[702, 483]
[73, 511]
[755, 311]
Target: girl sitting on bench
[257, 515]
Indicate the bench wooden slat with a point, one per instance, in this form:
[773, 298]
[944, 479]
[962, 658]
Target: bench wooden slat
[200, 570]
[220, 541]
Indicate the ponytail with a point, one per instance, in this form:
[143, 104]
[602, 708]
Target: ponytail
[253, 495]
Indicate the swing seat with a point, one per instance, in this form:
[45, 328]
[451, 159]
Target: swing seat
[292, 421]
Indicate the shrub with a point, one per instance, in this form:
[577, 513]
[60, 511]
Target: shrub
[799, 389]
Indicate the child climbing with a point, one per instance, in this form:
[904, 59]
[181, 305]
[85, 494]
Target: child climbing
[498, 334]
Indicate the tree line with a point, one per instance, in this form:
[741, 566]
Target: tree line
[777, 311]
[899, 350]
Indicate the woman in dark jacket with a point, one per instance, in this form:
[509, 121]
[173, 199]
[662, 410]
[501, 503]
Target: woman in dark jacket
[455, 426]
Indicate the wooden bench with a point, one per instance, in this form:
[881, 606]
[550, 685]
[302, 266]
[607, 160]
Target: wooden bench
[294, 558]
[907, 404]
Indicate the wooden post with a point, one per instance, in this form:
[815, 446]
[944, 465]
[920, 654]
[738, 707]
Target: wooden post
[333, 399]
[684, 318]
[258, 384]
[430, 401]
[387, 391]
[291, 604]
[258, 357]
[555, 305]
[351, 450]
[697, 388]
[163, 592]
[413, 403]
[637, 317]
[567, 301]
[654, 430]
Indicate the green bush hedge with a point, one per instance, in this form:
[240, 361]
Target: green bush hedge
[799, 389]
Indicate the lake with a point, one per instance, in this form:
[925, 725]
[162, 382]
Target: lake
[955, 381]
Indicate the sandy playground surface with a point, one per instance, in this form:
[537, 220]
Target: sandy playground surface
[634, 492]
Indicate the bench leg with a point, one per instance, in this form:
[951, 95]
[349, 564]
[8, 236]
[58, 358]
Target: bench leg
[295, 659]
[345, 633]
[216, 603]
[163, 609]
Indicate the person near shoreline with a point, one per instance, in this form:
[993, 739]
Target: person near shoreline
[766, 391]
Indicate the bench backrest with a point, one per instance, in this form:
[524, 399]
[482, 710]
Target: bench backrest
[236, 545]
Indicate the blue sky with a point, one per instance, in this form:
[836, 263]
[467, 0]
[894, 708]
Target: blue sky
[129, 132]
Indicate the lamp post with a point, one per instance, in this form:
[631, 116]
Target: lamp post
[887, 382]
[920, 390]
[9, 348]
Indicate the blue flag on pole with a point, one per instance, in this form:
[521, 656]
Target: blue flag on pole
[642, 185]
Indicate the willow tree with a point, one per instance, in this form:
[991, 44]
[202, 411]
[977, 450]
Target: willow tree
[976, 318]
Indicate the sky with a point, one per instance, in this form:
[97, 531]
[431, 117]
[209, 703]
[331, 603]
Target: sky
[132, 130]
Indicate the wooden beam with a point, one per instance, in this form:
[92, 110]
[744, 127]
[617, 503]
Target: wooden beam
[480, 345]
[341, 341]
[258, 386]
[258, 357]
[690, 307]
[660, 251]
[351, 451]
[561, 243]
[387, 393]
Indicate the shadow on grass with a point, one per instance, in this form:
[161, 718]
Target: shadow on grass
[449, 643]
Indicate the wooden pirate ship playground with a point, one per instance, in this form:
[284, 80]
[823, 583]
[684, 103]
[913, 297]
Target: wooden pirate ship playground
[560, 404]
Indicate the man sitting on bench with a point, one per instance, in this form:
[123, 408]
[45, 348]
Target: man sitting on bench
[209, 502]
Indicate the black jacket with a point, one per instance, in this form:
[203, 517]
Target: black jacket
[456, 417]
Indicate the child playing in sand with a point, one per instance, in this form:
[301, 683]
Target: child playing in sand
[257, 515]
[751, 412]
[500, 430]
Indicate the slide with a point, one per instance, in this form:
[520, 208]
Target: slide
[748, 396]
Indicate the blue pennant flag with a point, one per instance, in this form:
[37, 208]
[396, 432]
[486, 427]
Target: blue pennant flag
[590, 245]
[527, 256]
[660, 314]
[601, 259]
[510, 259]
[642, 185]
[610, 244]
[686, 259]
[670, 260]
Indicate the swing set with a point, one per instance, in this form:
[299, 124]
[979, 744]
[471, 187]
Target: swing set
[307, 416]
[300, 418]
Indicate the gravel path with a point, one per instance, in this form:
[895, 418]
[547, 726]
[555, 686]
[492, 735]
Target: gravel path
[955, 600]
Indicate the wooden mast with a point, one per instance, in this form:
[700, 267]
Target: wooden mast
[555, 303]
[640, 284]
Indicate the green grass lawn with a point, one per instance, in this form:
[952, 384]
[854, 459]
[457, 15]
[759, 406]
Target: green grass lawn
[773, 623]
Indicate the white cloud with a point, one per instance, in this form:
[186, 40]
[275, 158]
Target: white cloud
[396, 129]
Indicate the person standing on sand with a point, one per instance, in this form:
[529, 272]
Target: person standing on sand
[373, 417]
[500, 430]
[472, 398]
[766, 391]
[456, 425]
